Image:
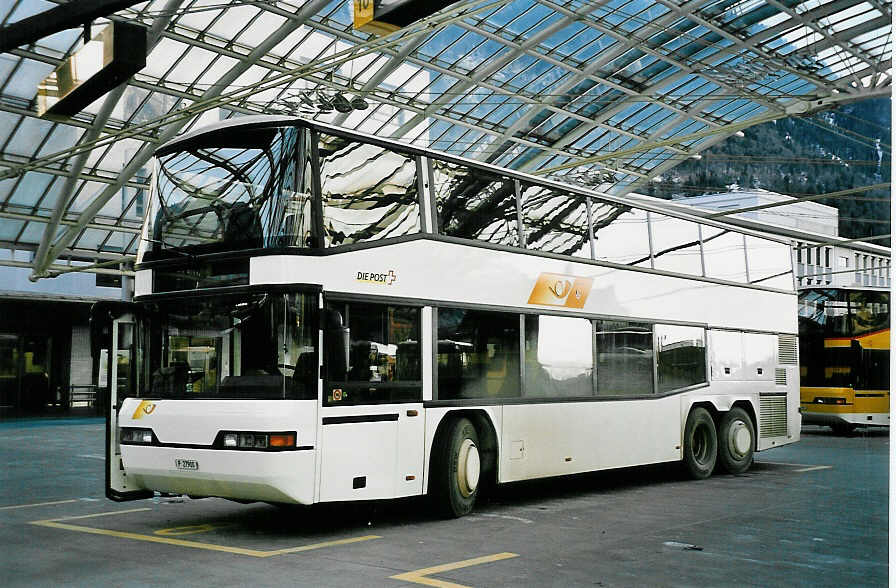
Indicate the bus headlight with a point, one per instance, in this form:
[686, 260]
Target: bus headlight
[135, 436]
[256, 441]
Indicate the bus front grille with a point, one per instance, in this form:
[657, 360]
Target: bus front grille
[787, 350]
[773, 415]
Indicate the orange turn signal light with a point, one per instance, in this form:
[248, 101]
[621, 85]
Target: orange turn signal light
[288, 440]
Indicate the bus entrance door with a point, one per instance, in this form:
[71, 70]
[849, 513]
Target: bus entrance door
[113, 331]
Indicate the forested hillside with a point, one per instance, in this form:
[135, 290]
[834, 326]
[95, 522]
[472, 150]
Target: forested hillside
[822, 153]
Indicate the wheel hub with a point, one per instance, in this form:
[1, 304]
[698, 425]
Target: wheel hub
[739, 439]
[467, 468]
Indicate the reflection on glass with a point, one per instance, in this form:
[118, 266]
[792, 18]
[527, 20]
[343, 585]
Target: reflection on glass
[769, 263]
[473, 204]
[478, 355]
[624, 358]
[680, 356]
[373, 353]
[723, 254]
[249, 190]
[261, 346]
[555, 222]
[368, 192]
[559, 357]
[676, 245]
[620, 234]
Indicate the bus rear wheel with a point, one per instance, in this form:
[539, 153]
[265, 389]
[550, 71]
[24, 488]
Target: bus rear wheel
[737, 439]
[456, 469]
[700, 444]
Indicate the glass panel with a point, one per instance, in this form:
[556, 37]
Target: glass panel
[559, 357]
[368, 192]
[473, 204]
[770, 263]
[36, 372]
[620, 234]
[680, 356]
[479, 354]
[373, 353]
[9, 370]
[723, 254]
[676, 245]
[624, 358]
[249, 188]
[259, 346]
[555, 222]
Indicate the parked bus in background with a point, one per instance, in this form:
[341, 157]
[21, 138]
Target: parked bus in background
[845, 357]
[322, 315]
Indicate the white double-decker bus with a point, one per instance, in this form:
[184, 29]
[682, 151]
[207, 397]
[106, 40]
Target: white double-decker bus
[321, 315]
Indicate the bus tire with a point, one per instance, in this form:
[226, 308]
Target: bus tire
[700, 444]
[737, 441]
[456, 469]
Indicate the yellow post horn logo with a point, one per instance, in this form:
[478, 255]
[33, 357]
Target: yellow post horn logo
[145, 408]
[561, 290]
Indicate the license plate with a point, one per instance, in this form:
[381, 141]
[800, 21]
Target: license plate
[186, 464]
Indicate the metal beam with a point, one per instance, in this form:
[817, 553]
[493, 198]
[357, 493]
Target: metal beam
[66, 16]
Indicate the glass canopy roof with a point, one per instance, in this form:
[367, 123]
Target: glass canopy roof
[604, 93]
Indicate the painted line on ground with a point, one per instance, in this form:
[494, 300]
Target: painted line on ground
[421, 576]
[803, 466]
[38, 504]
[59, 524]
[813, 468]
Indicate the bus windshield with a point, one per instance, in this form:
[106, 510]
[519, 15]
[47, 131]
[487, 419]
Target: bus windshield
[249, 190]
[259, 346]
[844, 313]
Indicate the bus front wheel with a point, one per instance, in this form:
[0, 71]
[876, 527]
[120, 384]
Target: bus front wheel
[456, 469]
[737, 438]
[700, 444]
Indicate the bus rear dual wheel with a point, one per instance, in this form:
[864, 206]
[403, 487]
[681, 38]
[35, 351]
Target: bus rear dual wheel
[456, 469]
[729, 445]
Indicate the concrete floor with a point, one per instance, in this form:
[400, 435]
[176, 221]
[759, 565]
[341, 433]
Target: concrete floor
[787, 522]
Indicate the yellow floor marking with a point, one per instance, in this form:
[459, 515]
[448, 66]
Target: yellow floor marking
[186, 530]
[58, 524]
[420, 576]
[38, 504]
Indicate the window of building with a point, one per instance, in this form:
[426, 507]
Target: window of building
[478, 354]
[367, 192]
[624, 358]
[680, 356]
[372, 353]
[559, 357]
[108, 280]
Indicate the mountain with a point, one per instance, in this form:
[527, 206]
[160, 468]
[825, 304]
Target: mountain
[821, 153]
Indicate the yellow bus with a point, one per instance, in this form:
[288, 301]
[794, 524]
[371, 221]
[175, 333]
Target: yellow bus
[845, 357]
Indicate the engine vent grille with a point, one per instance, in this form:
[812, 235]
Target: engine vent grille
[773, 415]
[780, 377]
[787, 350]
